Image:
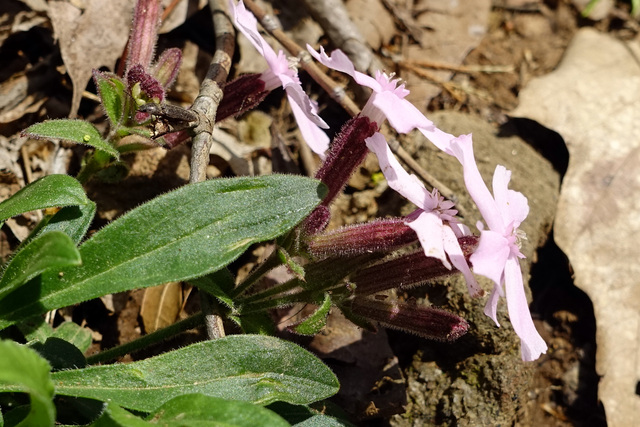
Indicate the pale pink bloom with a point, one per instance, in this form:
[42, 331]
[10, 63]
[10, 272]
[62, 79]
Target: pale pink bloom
[434, 221]
[387, 99]
[498, 253]
[280, 73]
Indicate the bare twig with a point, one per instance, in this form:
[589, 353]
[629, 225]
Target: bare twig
[206, 107]
[334, 19]
[457, 68]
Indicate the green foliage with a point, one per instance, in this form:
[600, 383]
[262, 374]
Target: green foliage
[113, 96]
[53, 250]
[23, 370]
[148, 247]
[47, 192]
[74, 221]
[77, 131]
[252, 368]
[318, 320]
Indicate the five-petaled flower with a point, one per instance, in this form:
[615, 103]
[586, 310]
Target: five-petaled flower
[281, 74]
[498, 254]
[434, 221]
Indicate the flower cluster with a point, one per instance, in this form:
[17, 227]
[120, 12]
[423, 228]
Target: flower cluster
[446, 243]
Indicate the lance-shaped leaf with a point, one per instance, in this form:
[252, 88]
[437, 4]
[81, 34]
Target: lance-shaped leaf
[74, 221]
[23, 370]
[112, 94]
[251, 368]
[47, 192]
[184, 234]
[77, 131]
[54, 250]
[316, 321]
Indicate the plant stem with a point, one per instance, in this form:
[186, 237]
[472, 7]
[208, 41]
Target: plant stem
[147, 340]
[286, 286]
[271, 262]
[206, 106]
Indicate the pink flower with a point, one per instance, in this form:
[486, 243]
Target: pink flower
[280, 73]
[387, 100]
[498, 253]
[434, 223]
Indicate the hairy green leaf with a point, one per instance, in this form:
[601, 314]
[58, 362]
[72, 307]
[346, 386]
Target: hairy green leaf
[252, 368]
[53, 250]
[184, 234]
[47, 192]
[23, 370]
[112, 94]
[77, 131]
[74, 221]
[316, 321]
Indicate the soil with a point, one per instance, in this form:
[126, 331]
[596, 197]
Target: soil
[560, 389]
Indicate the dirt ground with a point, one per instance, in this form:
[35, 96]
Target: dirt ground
[529, 36]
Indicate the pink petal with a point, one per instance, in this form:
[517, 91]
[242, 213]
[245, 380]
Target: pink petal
[409, 186]
[248, 25]
[462, 148]
[339, 61]
[512, 204]
[491, 255]
[402, 115]
[491, 308]
[428, 226]
[453, 250]
[315, 137]
[532, 344]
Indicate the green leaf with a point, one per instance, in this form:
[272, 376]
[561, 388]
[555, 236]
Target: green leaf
[74, 334]
[47, 192]
[54, 250]
[252, 368]
[255, 323]
[316, 321]
[36, 329]
[187, 233]
[116, 416]
[112, 94]
[200, 410]
[323, 414]
[60, 354]
[217, 284]
[77, 131]
[23, 370]
[74, 221]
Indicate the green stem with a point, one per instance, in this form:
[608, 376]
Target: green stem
[271, 262]
[286, 286]
[147, 340]
[98, 161]
[309, 296]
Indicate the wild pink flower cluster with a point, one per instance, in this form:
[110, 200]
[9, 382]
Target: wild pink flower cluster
[438, 231]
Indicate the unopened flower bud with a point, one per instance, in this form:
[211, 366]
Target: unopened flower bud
[144, 33]
[316, 221]
[241, 95]
[427, 322]
[406, 271]
[347, 151]
[381, 235]
[150, 89]
[166, 69]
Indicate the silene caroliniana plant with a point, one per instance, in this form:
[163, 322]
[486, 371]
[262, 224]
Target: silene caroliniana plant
[231, 379]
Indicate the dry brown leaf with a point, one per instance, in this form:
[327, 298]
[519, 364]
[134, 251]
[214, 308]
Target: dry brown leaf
[90, 39]
[161, 306]
[592, 100]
